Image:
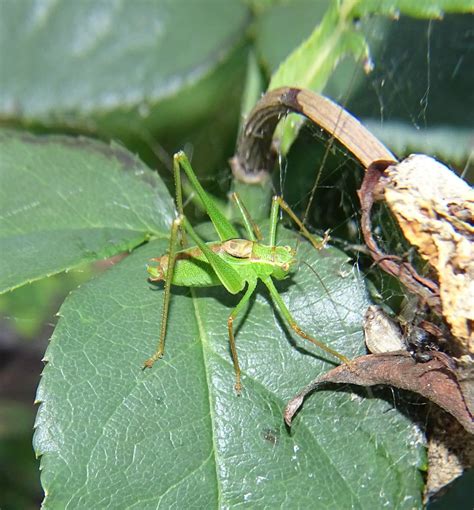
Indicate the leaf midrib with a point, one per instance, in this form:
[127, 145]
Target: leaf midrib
[204, 341]
[205, 348]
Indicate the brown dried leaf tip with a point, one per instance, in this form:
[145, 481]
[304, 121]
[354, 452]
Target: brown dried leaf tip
[435, 380]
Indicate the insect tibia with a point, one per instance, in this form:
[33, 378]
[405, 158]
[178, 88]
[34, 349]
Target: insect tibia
[320, 344]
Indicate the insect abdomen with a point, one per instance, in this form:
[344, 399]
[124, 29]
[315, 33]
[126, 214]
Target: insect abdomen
[191, 266]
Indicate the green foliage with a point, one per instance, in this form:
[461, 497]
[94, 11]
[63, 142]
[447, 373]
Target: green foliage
[85, 199]
[29, 307]
[445, 142]
[19, 477]
[111, 434]
[155, 75]
[120, 53]
[95, 398]
[337, 37]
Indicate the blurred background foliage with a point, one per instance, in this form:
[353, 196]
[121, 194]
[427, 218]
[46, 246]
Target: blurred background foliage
[163, 75]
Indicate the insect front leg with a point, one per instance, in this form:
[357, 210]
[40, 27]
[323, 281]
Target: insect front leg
[179, 197]
[168, 277]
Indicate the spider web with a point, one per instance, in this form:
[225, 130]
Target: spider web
[422, 83]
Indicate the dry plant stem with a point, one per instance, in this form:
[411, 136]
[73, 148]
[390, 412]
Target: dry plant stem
[254, 157]
[393, 265]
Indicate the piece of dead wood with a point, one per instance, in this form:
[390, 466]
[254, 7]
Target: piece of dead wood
[435, 211]
[254, 157]
[435, 380]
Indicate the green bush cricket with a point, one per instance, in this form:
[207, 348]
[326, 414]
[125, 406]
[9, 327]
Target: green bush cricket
[233, 262]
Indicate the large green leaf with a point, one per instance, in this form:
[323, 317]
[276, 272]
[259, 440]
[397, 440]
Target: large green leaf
[312, 62]
[336, 37]
[293, 21]
[65, 201]
[449, 143]
[110, 62]
[114, 436]
[153, 74]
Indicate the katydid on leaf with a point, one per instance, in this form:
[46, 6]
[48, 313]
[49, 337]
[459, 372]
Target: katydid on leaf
[233, 262]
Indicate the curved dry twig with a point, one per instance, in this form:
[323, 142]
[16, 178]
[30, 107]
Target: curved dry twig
[254, 158]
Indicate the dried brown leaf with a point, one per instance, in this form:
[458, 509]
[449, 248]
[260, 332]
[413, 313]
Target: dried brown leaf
[435, 380]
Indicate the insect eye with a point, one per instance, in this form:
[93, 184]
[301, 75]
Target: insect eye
[288, 248]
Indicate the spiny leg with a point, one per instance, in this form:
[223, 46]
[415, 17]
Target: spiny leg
[278, 202]
[287, 315]
[225, 230]
[250, 289]
[179, 196]
[229, 278]
[160, 349]
[253, 230]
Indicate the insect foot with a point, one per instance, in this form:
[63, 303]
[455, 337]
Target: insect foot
[238, 388]
[150, 361]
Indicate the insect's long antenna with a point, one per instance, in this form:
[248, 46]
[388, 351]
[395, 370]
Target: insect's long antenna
[304, 231]
[329, 146]
[323, 285]
[156, 148]
[253, 230]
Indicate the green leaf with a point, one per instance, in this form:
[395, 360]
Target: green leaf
[27, 309]
[449, 143]
[113, 435]
[19, 480]
[311, 64]
[254, 86]
[336, 37]
[129, 56]
[419, 9]
[293, 21]
[65, 201]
